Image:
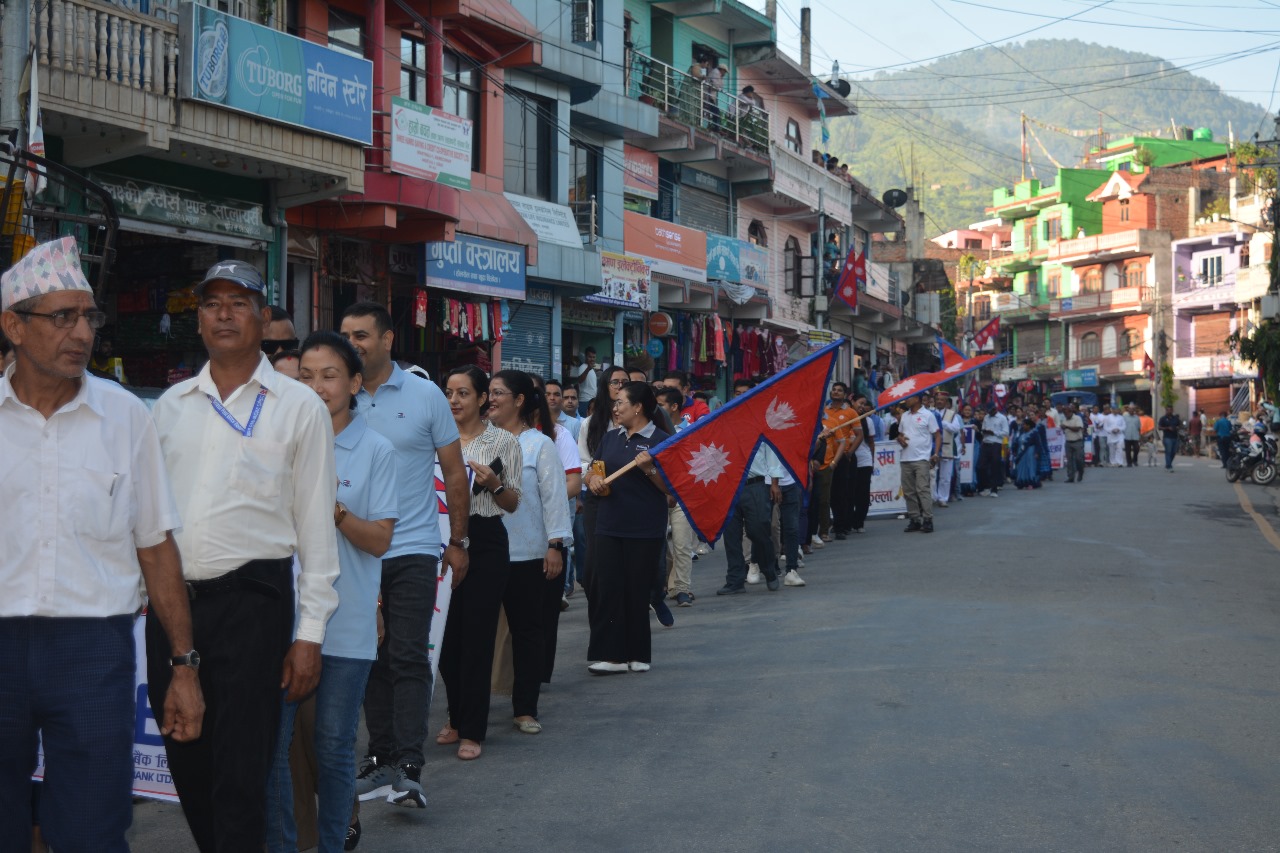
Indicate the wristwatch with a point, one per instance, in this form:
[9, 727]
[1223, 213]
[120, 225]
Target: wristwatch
[191, 659]
[495, 492]
[464, 543]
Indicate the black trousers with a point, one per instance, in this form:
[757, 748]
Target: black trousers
[523, 603]
[990, 466]
[842, 505]
[552, 592]
[620, 590]
[466, 658]
[242, 635]
[861, 496]
[1131, 453]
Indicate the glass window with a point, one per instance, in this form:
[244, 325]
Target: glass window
[1211, 270]
[527, 150]
[1129, 343]
[584, 171]
[413, 69]
[1135, 275]
[346, 32]
[1124, 210]
[1053, 229]
[794, 143]
[462, 97]
[791, 272]
[1053, 284]
[756, 233]
[1092, 282]
[1090, 347]
[982, 308]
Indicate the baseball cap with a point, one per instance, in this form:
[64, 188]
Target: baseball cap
[237, 272]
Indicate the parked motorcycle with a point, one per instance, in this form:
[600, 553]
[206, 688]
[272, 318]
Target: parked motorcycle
[1253, 456]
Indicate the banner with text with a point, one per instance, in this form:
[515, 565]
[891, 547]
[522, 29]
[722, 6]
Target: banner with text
[886, 482]
[430, 144]
[475, 265]
[625, 282]
[966, 470]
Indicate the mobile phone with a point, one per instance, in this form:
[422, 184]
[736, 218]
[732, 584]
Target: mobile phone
[496, 467]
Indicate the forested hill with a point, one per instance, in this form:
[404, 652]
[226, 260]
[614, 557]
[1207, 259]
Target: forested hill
[958, 118]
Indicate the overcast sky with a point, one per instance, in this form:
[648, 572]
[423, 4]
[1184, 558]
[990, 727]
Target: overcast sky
[1234, 43]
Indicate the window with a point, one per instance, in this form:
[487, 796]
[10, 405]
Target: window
[1090, 347]
[981, 308]
[1135, 275]
[527, 150]
[1092, 282]
[1211, 270]
[1053, 229]
[584, 172]
[794, 143]
[1129, 343]
[1053, 284]
[1124, 210]
[1028, 234]
[584, 20]
[791, 266]
[413, 70]
[756, 234]
[462, 97]
[346, 33]
[972, 243]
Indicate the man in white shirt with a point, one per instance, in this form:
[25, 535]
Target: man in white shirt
[87, 516]
[588, 377]
[995, 429]
[250, 453]
[921, 441]
[1073, 433]
[754, 516]
[1098, 426]
[950, 423]
[1114, 425]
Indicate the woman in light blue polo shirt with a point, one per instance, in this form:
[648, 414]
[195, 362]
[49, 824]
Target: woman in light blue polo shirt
[365, 516]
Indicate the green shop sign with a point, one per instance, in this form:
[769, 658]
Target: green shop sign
[183, 208]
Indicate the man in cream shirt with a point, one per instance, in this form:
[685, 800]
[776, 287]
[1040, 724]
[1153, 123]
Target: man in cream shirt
[250, 454]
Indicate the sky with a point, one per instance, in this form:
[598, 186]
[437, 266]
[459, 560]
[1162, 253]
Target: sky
[1234, 43]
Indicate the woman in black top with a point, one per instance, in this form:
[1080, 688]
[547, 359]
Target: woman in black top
[631, 523]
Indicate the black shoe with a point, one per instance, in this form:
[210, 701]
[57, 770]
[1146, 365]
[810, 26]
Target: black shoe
[665, 616]
[927, 528]
[773, 585]
[913, 527]
[730, 590]
[353, 836]
[841, 536]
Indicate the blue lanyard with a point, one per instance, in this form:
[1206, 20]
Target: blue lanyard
[246, 431]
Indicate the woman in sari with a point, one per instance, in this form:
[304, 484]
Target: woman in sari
[1025, 450]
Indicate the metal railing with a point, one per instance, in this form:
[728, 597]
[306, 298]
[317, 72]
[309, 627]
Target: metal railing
[1188, 284]
[584, 20]
[697, 102]
[109, 42]
[586, 214]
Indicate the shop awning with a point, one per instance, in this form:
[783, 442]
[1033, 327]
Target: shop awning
[487, 214]
[492, 28]
[794, 327]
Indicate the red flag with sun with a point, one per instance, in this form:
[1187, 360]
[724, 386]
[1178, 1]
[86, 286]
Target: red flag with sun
[706, 464]
[920, 382]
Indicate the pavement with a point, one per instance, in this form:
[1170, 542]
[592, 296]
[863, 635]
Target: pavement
[1086, 667]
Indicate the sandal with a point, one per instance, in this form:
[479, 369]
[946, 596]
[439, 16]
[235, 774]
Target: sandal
[529, 727]
[469, 751]
[447, 736]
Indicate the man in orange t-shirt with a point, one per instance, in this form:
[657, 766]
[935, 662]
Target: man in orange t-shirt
[838, 433]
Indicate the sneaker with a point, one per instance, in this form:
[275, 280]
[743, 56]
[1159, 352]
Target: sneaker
[753, 574]
[793, 579]
[407, 790]
[353, 836]
[994, 494]
[684, 599]
[806, 549]
[638, 666]
[665, 616]
[927, 527]
[702, 549]
[773, 585]
[913, 527]
[564, 603]
[799, 562]
[940, 504]
[826, 537]
[841, 537]
[694, 558]
[730, 590]
[816, 541]
[605, 667]
[984, 493]
[374, 780]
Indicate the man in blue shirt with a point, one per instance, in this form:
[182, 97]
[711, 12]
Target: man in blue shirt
[1222, 429]
[559, 411]
[414, 416]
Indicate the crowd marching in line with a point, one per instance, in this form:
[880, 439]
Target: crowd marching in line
[222, 504]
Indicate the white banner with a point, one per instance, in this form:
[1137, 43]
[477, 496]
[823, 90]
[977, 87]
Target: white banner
[430, 144]
[966, 469]
[1057, 447]
[886, 482]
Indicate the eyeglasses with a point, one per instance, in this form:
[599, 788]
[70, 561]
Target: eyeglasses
[68, 319]
[499, 392]
[617, 383]
[273, 346]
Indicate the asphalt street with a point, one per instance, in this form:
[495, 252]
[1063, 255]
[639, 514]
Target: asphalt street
[1087, 667]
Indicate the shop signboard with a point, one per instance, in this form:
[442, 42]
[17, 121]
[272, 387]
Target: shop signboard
[625, 282]
[575, 313]
[475, 265]
[1086, 378]
[229, 62]
[553, 223]
[430, 144]
[704, 181]
[722, 258]
[183, 208]
[753, 263]
[670, 249]
[640, 172]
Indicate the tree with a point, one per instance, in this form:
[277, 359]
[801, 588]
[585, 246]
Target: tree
[1168, 396]
[1262, 349]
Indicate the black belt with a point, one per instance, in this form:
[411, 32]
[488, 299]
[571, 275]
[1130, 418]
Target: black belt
[241, 579]
[751, 481]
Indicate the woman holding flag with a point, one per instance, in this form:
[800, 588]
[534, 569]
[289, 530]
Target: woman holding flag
[631, 524]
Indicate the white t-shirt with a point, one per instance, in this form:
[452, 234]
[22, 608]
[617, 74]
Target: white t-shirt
[586, 384]
[919, 428]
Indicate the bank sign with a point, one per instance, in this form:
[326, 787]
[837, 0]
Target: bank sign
[231, 63]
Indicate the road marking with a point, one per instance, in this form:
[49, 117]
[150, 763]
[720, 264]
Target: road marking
[1268, 531]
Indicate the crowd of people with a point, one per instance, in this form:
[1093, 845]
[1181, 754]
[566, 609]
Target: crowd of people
[268, 631]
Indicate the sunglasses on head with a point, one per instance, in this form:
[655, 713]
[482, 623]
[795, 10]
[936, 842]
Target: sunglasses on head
[271, 347]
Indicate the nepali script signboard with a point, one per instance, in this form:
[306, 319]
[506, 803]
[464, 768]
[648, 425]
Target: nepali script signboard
[430, 144]
[231, 63]
[624, 282]
[886, 482]
[475, 265]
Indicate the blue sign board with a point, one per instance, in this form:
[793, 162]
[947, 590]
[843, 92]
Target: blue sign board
[654, 347]
[1087, 378]
[475, 265]
[722, 258]
[232, 63]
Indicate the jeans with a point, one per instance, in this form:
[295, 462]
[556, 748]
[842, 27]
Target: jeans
[395, 702]
[789, 521]
[71, 680]
[1075, 460]
[753, 514]
[338, 695]
[1224, 449]
[574, 570]
[1170, 450]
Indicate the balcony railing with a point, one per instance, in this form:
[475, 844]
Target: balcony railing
[586, 213]
[1124, 297]
[697, 102]
[1199, 283]
[799, 178]
[109, 42]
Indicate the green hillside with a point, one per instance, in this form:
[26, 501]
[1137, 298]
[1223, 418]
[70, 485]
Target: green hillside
[959, 117]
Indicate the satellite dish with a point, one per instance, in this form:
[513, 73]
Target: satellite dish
[894, 198]
[842, 86]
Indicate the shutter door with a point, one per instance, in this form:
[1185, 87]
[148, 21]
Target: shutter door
[1214, 401]
[704, 211]
[527, 344]
[1211, 331]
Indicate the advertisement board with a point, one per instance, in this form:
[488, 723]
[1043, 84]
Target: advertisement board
[232, 63]
[430, 144]
[640, 172]
[670, 249]
[475, 265]
[624, 282]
